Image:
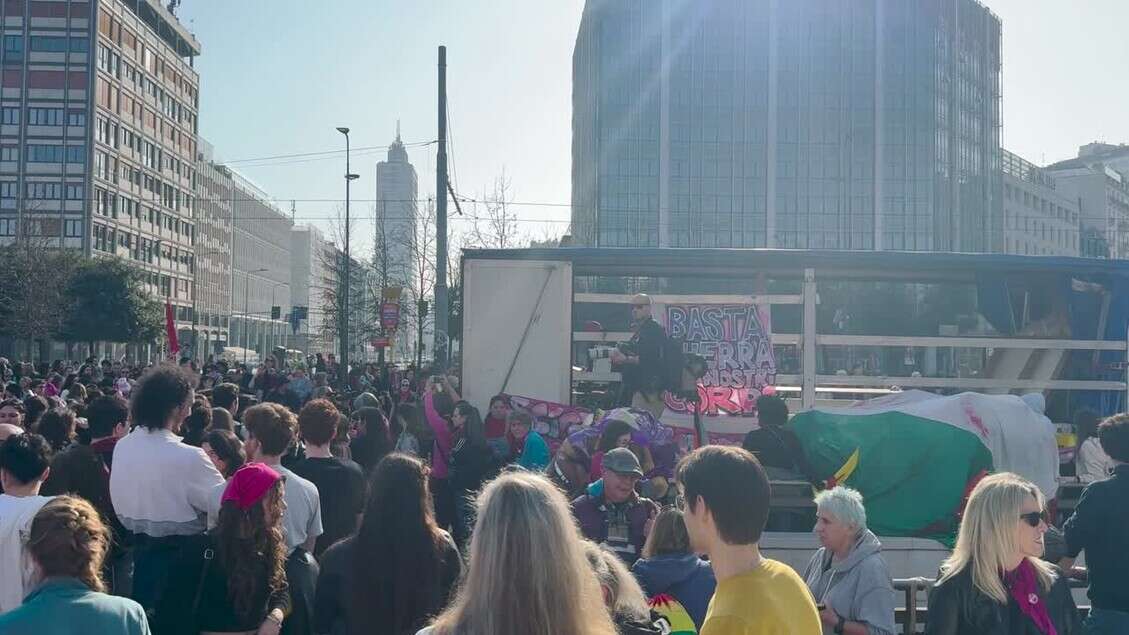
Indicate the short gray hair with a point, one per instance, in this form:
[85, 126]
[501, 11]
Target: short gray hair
[845, 504]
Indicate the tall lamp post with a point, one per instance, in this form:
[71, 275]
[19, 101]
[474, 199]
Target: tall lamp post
[343, 362]
[246, 288]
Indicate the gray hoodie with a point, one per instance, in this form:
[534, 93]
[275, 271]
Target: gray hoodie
[858, 588]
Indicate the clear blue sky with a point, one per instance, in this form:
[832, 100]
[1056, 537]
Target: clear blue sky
[277, 77]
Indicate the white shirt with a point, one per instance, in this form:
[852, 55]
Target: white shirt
[160, 486]
[16, 514]
[301, 519]
[1092, 463]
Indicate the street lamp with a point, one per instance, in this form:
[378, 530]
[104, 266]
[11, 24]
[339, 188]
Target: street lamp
[343, 362]
[246, 288]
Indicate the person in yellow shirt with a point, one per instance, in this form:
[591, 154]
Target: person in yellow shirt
[724, 495]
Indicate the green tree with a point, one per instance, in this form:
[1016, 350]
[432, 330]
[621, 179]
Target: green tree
[109, 303]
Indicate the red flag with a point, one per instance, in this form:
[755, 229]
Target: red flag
[170, 327]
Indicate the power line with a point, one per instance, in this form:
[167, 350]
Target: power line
[325, 152]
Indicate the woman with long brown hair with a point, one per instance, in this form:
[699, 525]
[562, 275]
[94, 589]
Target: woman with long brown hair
[232, 580]
[67, 543]
[399, 569]
[528, 574]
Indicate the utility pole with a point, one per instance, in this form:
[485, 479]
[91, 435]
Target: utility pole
[343, 361]
[439, 348]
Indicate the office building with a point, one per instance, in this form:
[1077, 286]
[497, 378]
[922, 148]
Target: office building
[1113, 156]
[215, 191]
[1039, 220]
[396, 192]
[98, 135]
[261, 270]
[1102, 193]
[870, 124]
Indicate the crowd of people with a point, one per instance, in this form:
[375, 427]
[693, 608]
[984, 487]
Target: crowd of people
[175, 500]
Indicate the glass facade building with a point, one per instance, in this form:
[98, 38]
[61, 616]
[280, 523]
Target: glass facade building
[871, 124]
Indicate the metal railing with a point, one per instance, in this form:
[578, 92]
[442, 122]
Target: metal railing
[913, 615]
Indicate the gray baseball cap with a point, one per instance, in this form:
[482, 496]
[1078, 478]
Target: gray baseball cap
[623, 461]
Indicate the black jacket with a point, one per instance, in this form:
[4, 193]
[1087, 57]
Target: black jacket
[956, 607]
[1098, 526]
[647, 375]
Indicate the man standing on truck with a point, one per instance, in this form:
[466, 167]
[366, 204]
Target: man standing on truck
[641, 366]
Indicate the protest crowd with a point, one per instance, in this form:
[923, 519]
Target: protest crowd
[311, 500]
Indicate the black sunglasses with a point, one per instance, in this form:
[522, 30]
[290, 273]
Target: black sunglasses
[1034, 518]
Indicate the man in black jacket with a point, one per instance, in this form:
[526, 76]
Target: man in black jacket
[642, 367]
[1100, 527]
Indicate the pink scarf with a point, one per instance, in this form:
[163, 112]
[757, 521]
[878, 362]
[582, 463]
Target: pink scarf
[1024, 587]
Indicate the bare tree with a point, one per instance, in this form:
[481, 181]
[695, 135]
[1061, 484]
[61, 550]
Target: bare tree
[363, 315]
[421, 283]
[33, 298]
[496, 225]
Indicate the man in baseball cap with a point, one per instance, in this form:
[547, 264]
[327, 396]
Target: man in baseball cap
[611, 513]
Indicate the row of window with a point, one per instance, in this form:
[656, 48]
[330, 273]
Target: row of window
[1039, 203]
[111, 204]
[14, 45]
[113, 169]
[43, 191]
[142, 249]
[111, 134]
[41, 153]
[10, 115]
[72, 228]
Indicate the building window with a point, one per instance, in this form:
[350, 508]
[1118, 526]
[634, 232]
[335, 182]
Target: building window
[76, 118]
[76, 154]
[11, 115]
[13, 48]
[42, 191]
[9, 153]
[45, 44]
[72, 228]
[75, 191]
[79, 45]
[44, 116]
[7, 227]
[44, 154]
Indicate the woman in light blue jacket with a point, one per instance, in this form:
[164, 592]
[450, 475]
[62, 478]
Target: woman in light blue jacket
[68, 542]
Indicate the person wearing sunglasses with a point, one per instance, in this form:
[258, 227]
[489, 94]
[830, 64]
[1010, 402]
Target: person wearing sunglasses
[995, 582]
[641, 364]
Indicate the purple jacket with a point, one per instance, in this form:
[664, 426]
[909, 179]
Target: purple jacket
[627, 521]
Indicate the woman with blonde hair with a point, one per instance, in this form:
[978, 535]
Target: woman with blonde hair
[67, 543]
[527, 573]
[622, 594]
[994, 582]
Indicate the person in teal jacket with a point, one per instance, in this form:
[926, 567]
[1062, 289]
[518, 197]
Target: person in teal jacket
[528, 448]
[68, 542]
